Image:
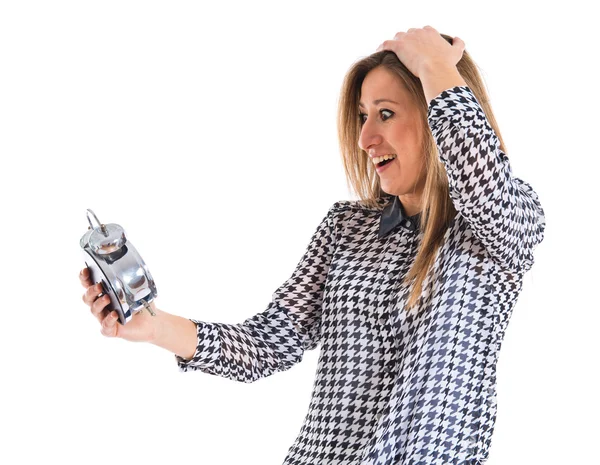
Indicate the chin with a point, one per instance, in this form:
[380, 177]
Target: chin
[390, 190]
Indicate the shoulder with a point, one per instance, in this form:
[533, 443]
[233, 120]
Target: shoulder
[351, 216]
[359, 206]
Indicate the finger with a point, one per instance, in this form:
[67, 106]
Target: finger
[399, 35]
[99, 306]
[385, 45]
[84, 277]
[92, 293]
[109, 325]
[459, 43]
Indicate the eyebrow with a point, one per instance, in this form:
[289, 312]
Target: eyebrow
[378, 101]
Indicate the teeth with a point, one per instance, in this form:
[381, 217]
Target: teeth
[377, 160]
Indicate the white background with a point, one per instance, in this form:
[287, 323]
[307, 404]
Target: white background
[208, 133]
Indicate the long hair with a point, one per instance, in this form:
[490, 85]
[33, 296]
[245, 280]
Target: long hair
[438, 210]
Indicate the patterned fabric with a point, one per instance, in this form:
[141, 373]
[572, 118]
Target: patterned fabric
[397, 387]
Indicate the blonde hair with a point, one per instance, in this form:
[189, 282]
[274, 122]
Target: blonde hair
[438, 210]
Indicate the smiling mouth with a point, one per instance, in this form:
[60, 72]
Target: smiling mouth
[384, 159]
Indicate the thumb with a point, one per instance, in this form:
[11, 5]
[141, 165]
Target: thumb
[459, 44]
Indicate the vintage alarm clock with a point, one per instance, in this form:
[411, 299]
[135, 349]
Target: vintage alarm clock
[114, 261]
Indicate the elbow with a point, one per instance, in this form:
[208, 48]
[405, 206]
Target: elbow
[519, 255]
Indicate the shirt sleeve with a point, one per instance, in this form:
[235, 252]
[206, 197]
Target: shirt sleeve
[503, 211]
[275, 339]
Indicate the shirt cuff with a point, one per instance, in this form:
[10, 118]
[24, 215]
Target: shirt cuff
[208, 348]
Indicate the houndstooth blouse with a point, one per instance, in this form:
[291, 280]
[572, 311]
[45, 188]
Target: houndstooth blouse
[396, 387]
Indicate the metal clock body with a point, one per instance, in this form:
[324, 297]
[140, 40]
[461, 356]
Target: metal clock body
[114, 261]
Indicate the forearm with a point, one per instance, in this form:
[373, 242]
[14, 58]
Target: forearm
[176, 334]
[482, 183]
[436, 78]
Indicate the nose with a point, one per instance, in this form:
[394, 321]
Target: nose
[369, 136]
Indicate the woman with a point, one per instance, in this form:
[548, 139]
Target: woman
[408, 291]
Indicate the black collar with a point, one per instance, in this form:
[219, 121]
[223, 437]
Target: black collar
[393, 214]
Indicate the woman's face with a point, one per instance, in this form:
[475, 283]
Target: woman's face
[393, 126]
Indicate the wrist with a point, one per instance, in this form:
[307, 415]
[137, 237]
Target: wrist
[433, 68]
[437, 77]
[175, 334]
[157, 326]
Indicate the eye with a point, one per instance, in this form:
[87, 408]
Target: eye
[383, 111]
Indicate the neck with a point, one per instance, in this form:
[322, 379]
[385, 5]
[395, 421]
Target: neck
[410, 205]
